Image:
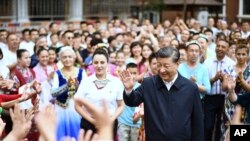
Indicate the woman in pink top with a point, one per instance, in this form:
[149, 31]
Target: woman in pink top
[52, 58]
[143, 66]
[42, 70]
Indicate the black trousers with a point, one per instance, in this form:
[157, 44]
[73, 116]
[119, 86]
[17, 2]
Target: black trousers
[86, 125]
[213, 109]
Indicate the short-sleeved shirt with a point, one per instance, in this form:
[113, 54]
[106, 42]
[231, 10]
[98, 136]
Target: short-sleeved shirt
[200, 72]
[225, 66]
[112, 92]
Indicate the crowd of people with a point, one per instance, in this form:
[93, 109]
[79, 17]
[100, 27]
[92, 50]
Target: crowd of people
[125, 81]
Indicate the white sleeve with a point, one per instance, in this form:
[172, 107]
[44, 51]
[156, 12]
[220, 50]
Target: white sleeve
[120, 90]
[84, 74]
[25, 104]
[81, 89]
[55, 82]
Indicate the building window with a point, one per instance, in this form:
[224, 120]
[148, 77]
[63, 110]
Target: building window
[244, 10]
[221, 10]
[106, 8]
[48, 9]
[5, 8]
[246, 7]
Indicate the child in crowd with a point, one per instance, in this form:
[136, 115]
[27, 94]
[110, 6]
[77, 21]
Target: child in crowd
[128, 130]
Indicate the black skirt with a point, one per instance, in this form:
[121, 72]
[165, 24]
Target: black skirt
[86, 125]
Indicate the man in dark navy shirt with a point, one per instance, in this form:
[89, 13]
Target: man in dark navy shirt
[171, 102]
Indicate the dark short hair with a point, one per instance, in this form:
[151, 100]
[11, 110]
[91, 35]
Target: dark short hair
[40, 50]
[167, 52]
[3, 30]
[53, 34]
[95, 41]
[101, 51]
[111, 38]
[26, 30]
[151, 57]
[242, 46]
[131, 65]
[33, 30]
[83, 22]
[51, 24]
[20, 52]
[133, 44]
[208, 30]
[65, 32]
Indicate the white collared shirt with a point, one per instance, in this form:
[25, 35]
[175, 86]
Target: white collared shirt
[112, 92]
[215, 65]
[28, 46]
[171, 83]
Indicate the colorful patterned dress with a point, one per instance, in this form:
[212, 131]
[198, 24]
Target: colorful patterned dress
[63, 90]
[230, 108]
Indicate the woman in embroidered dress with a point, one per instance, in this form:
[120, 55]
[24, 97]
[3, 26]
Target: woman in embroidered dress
[98, 87]
[64, 85]
[242, 86]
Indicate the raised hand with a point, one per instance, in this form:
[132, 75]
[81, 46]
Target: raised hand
[7, 84]
[37, 87]
[231, 86]
[25, 95]
[46, 123]
[192, 78]
[230, 83]
[218, 76]
[102, 120]
[127, 80]
[21, 124]
[240, 76]
[87, 136]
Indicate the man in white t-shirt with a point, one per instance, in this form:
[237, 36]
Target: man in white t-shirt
[27, 43]
[245, 30]
[53, 28]
[3, 35]
[10, 58]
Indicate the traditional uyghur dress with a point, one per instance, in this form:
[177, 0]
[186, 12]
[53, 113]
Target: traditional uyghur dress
[230, 108]
[63, 90]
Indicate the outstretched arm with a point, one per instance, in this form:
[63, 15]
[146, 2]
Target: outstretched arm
[103, 122]
[131, 97]
[82, 111]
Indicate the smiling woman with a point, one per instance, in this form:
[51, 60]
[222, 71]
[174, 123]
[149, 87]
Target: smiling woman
[64, 85]
[98, 87]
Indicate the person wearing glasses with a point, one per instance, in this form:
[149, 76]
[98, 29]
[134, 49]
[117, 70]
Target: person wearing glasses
[171, 102]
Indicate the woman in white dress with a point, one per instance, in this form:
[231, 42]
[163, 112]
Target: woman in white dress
[98, 87]
[64, 85]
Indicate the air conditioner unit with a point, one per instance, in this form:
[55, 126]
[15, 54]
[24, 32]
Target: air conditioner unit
[202, 17]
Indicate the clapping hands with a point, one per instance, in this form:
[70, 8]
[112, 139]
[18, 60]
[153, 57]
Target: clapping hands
[21, 124]
[46, 123]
